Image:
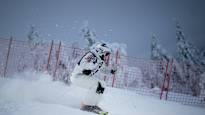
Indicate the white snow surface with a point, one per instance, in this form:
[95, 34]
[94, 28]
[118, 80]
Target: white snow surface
[33, 93]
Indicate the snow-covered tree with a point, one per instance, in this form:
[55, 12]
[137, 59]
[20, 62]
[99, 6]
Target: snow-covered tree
[187, 66]
[34, 37]
[155, 49]
[203, 57]
[159, 55]
[37, 49]
[186, 51]
[88, 35]
[190, 61]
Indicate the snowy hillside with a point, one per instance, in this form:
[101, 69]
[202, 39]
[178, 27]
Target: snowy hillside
[36, 94]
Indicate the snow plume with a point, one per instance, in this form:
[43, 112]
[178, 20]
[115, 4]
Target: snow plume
[31, 87]
[31, 93]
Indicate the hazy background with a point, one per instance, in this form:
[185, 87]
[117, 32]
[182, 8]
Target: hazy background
[125, 21]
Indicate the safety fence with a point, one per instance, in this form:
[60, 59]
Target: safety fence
[144, 76]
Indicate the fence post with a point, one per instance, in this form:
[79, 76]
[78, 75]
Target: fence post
[116, 62]
[169, 75]
[57, 60]
[107, 64]
[166, 81]
[165, 76]
[49, 55]
[7, 56]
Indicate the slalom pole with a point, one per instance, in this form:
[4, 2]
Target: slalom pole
[165, 74]
[49, 55]
[57, 60]
[169, 75]
[116, 61]
[7, 56]
[107, 64]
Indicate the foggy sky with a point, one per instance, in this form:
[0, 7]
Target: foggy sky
[125, 21]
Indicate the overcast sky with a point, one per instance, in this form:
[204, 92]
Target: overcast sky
[125, 21]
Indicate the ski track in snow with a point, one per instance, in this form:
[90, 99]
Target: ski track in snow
[32, 93]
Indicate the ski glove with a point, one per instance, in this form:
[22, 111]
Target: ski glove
[113, 71]
[86, 72]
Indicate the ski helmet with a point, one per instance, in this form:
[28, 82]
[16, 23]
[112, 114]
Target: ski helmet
[102, 50]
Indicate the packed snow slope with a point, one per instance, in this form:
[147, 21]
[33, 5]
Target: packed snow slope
[32, 93]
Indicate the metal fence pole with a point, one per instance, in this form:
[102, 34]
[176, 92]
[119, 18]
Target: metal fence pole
[169, 75]
[49, 55]
[107, 64]
[165, 76]
[7, 56]
[116, 62]
[57, 60]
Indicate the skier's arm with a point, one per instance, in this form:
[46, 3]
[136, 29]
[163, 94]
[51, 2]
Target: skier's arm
[109, 70]
[89, 64]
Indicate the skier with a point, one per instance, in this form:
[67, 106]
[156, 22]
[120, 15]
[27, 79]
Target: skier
[85, 75]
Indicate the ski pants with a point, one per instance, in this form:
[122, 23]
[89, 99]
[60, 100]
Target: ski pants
[95, 88]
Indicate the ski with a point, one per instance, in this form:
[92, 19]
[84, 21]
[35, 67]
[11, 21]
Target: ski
[103, 113]
[94, 109]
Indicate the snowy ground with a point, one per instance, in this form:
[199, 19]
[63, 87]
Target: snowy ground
[36, 94]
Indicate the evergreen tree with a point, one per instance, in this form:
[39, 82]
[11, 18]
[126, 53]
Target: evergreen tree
[203, 57]
[34, 37]
[157, 53]
[160, 55]
[155, 49]
[89, 36]
[37, 47]
[189, 58]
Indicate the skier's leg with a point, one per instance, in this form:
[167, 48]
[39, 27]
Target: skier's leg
[83, 81]
[93, 97]
[95, 93]
[95, 89]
